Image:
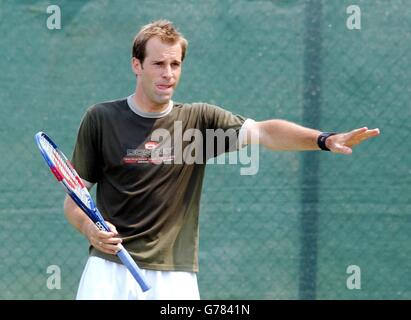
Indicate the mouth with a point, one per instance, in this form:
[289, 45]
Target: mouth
[164, 87]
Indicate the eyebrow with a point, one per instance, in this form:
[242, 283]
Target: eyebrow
[157, 61]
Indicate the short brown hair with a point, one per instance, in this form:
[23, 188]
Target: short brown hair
[163, 29]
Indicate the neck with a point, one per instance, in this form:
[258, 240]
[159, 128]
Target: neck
[147, 105]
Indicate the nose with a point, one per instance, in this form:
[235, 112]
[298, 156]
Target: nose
[167, 72]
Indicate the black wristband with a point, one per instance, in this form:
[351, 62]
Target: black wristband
[322, 138]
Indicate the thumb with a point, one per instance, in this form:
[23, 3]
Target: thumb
[338, 148]
[112, 228]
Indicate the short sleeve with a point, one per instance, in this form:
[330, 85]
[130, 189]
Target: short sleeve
[223, 124]
[218, 118]
[86, 154]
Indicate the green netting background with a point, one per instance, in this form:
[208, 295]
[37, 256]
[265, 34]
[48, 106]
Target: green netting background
[288, 232]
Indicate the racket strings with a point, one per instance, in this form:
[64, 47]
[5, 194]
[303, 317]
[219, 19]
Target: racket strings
[60, 162]
[70, 178]
[65, 170]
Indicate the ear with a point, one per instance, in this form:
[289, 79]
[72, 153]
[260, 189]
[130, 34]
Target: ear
[136, 66]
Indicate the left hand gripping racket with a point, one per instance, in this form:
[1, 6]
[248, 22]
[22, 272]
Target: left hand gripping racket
[64, 172]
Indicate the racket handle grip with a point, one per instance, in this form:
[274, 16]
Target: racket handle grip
[128, 261]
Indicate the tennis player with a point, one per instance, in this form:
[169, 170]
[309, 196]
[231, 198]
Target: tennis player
[151, 199]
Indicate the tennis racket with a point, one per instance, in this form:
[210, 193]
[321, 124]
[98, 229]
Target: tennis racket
[64, 172]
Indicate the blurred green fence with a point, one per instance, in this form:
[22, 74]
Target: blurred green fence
[288, 232]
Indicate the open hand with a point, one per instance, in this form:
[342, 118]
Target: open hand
[343, 142]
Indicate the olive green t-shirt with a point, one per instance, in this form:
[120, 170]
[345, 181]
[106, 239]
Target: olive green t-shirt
[145, 186]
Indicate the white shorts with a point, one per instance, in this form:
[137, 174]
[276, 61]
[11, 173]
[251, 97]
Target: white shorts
[106, 280]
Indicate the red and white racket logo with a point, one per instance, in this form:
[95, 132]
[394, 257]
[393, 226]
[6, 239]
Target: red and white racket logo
[64, 172]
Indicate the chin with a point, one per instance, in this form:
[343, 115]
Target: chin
[163, 99]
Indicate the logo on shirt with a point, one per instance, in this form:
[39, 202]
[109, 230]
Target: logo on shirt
[152, 153]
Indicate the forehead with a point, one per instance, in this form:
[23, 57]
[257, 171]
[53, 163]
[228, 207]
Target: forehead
[157, 49]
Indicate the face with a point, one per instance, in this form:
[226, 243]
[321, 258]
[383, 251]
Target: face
[160, 72]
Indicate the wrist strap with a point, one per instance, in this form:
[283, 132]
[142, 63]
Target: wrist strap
[322, 138]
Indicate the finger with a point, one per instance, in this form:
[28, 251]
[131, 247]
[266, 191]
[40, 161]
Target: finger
[372, 133]
[356, 132]
[367, 135]
[105, 234]
[109, 248]
[114, 240]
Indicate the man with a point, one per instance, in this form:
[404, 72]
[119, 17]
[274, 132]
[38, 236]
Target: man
[143, 190]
